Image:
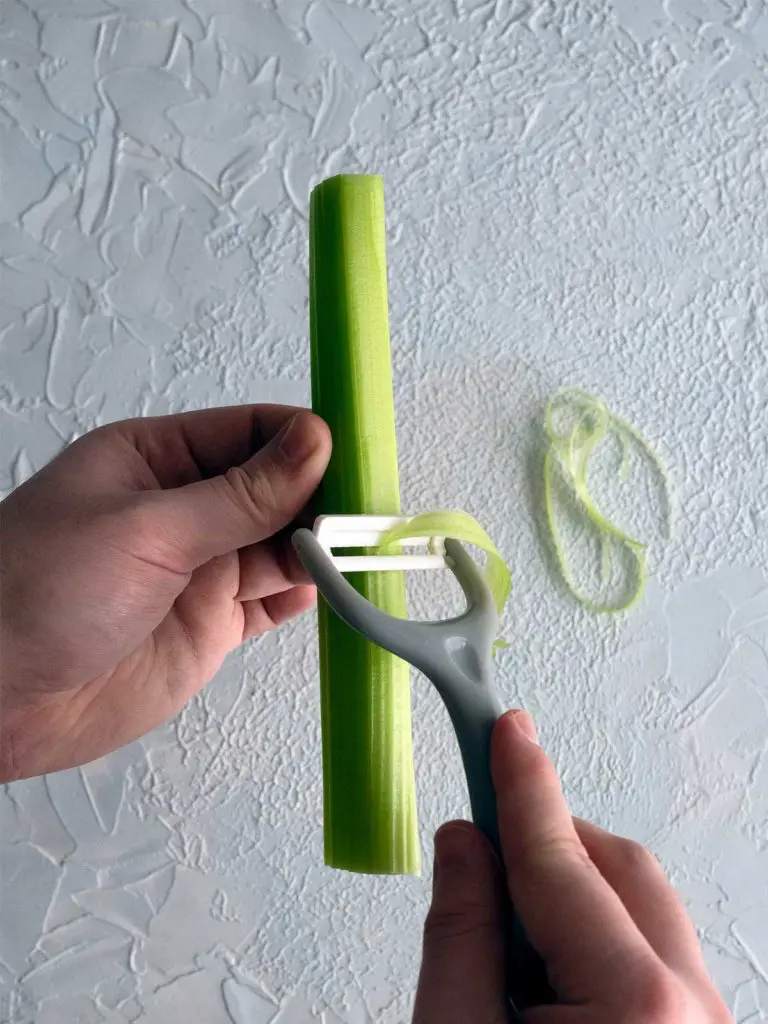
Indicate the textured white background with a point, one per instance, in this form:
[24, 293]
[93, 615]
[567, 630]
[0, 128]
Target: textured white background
[576, 195]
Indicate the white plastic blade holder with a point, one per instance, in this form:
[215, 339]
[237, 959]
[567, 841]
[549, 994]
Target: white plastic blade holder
[334, 532]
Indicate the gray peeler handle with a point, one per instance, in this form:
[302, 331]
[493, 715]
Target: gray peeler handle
[473, 724]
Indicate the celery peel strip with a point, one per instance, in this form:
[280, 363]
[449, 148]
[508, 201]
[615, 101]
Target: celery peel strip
[570, 452]
[462, 527]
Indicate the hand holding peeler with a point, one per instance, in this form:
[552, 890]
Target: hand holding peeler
[455, 655]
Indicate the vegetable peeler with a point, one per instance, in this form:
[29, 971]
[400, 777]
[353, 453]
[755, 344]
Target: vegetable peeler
[455, 655]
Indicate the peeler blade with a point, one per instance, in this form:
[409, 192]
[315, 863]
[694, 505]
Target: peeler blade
[363, 531]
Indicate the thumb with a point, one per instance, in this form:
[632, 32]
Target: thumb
[250, 502]
[463, 970]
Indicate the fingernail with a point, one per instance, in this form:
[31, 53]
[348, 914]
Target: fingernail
[524, 724]
[297, 440]
[453, 847]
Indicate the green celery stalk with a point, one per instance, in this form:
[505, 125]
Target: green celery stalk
[368, 785]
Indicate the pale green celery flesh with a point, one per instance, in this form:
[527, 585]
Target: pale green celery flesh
[462, 527]
[571, 451]
[369, 795]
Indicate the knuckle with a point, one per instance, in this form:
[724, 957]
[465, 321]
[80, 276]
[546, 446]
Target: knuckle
[542, 852]
[252, 495]
[634, 857]
[659, 998]
[101, 440]
[445, 925]
[98, 435]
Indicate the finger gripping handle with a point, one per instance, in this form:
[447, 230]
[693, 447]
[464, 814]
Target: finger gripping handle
[527, 981]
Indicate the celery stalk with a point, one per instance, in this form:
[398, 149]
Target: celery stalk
[369, 795]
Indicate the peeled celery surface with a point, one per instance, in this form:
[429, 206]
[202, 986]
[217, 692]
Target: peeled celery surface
[368, 786]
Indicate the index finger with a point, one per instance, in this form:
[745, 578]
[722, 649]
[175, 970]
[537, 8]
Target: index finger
[571, 915]
[190, 446]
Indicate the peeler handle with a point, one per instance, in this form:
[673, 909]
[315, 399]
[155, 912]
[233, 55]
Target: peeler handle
[473, 721]
[528, 985]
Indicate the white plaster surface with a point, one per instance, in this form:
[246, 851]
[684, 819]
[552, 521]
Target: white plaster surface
[576, 195]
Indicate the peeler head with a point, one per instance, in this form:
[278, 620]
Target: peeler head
[366, 531]
[427, 645]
